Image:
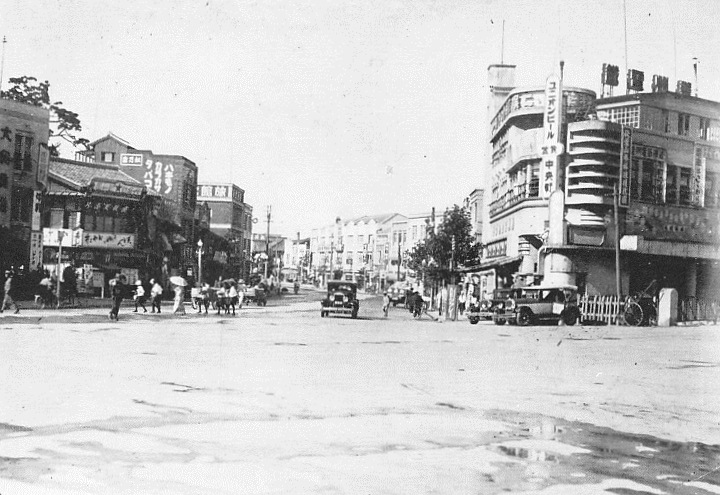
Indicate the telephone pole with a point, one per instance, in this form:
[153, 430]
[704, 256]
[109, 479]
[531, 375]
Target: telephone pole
[267, 240]
[2, 62]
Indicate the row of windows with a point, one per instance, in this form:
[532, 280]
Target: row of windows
[707, 129]
[628, 115]
[654, 182]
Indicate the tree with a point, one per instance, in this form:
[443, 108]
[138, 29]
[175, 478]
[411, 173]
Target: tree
[434, 256]
[64, 124]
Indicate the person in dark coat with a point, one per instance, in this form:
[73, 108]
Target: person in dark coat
[117, 290]
[417, 304]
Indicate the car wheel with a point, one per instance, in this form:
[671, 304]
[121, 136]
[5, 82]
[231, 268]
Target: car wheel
[499, 321]
[524, 318]
[354, 314]
[569, 318]
[323, 314]
[394, 304]
[474, 320]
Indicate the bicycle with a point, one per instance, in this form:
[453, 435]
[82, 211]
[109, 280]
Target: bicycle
[641, 308]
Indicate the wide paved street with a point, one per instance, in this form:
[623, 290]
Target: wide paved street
[279, 400]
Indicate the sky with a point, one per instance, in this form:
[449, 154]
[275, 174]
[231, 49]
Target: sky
[339, 108]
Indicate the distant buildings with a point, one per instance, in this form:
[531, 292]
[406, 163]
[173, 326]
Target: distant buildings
[370, 250]
[230, 218]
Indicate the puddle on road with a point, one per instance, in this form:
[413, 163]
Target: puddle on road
[554, 451]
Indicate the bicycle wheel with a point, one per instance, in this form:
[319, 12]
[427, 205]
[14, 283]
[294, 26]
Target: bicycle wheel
[633, 314]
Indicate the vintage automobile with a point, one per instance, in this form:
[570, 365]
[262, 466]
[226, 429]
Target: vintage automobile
[341, 299]
[398, 292]
[484, 309]
[541, 303]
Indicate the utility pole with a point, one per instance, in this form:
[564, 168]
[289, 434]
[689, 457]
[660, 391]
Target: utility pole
[61, 234]
[2, 63]
[399, 248]
[267, 240]
[618, 286]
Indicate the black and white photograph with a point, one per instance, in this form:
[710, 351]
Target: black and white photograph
[360, 247]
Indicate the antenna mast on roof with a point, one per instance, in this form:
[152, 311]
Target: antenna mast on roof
[625, 30]
[502, 44]
[2, 63]
[696, 62]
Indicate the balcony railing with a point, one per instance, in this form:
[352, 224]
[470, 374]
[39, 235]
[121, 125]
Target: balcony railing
[514, 196]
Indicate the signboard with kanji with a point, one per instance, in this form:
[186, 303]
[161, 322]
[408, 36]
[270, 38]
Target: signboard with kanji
[625, 164]
[131, 159]
[69, 237]
[108, 240]
[159, 176]
[552, 147]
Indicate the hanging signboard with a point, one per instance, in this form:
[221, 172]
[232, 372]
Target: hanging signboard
[625, 165]
[70, 237]
[697, 184]
[36, 250]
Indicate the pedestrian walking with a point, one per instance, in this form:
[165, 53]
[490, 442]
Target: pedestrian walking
[386, 303]
[139, 296]
[69, 283]
[156, 291]
[45, 290]
[461, 301]
[233, 298]
[117, 291]
[179, 301]
[418, 304]
[8, 301]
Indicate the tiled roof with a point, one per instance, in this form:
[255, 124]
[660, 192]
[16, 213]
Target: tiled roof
[82, 174]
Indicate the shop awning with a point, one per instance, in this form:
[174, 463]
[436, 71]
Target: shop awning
[178, 239]
[493, 263]
[165, 243]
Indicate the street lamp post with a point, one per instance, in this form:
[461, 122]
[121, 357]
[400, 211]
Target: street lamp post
[61, 234]
[200, 245]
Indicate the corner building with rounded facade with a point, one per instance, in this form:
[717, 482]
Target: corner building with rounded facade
[661, 151]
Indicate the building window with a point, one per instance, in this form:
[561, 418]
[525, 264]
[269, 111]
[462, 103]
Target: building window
[683, 124]
[627, 115]
[22, 158]
[666, 120]
[685, 197]
[22, 204]
[57, 217]
[671, 185]
[108, 157]
[712, 190]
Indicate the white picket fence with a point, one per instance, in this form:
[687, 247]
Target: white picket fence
[602, 309]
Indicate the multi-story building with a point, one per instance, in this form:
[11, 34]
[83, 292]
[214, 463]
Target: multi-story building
[473, 203]
[555, 165]
[230, 218]
[100, 218]
[174, 178]
[24, 161]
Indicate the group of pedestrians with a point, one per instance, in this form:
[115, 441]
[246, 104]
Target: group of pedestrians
[413, 301]
[119, 290]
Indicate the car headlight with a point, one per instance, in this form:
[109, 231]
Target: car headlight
[510, 304]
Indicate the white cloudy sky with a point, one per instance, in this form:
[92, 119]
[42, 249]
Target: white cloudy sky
[306, 104]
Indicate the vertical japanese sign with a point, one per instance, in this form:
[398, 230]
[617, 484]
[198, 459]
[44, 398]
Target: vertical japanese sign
[552, 126]
[159, 176]
[697, 180]
[625, 164]
[43, 165]
[6, 147]
[36, 250]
